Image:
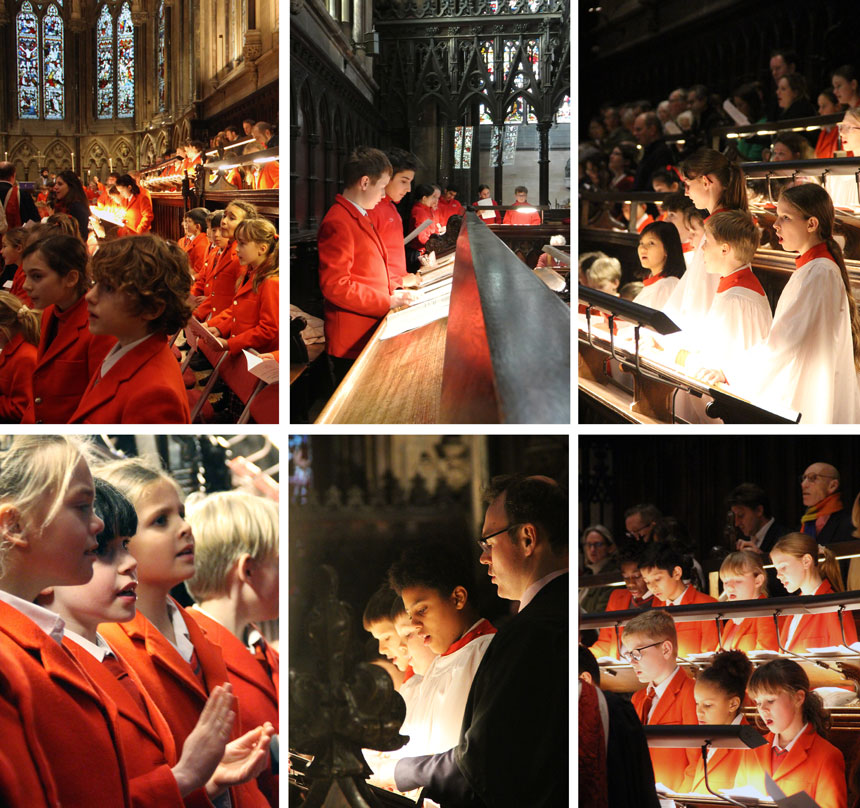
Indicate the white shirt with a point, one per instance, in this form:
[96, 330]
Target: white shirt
[762, 532]
[183, 641]
[116, 353]
[791, 743]
[533, 589]
[677, 601]
[660, 689]
[358, 207]
[50, 622]
[99, 649]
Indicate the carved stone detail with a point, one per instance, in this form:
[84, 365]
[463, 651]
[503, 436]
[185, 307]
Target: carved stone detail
[253, 46]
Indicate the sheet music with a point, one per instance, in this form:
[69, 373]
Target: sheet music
[417, 315]
[266, 369]
[421, 227]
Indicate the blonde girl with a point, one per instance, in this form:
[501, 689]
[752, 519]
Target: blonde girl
[48, 532]
[177, 664]
[14, 240]
[803, 566]
[744, 578]
[19, 338]
[796, 756]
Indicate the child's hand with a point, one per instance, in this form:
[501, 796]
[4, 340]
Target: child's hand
[403, 297]
[711, 376]
[412, 281]
[204, 747]
[244, 759]
[195, 300]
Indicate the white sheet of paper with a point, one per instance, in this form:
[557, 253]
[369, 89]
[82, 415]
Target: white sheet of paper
[266, 369]
[201, 333]
[735, 114]
[417, 315]
[421, 227]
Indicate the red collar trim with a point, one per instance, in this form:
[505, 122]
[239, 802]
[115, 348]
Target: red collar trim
[653, 279]
[742, 277]
[408, 674]
[718, 210]
[484, 627]
[687, 247]
[820, 250]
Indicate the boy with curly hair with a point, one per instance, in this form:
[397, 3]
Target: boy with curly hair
[140, 296]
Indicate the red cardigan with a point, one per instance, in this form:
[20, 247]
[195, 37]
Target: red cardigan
[143, 387]
[420, 213]
[251, 320]
[722, 770]
[64, 364]
[606, 645]
[354, 278]
[751, 634]
[17, 363]
[74, 721]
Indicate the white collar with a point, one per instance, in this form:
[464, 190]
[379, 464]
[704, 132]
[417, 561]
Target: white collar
[183, 642]
[50, 622]
[358, 207]
[792, 742]
[99, 649]
[533, 589]
[661, 688]
[677, 601]
[762, 531]
[116, 353]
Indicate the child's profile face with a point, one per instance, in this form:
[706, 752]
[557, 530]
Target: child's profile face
[676, 218]
[664, 584]
[780, 709]
[46, 286]
[163, 544]
[419, 655]
[791, 226]
[110, 312]
[714, 705]
[230, 221]
[653, 664]
[11, 254]
[791, 572]
[65, 551]
[110, 596]
[437, 618]
[696, 231]
[249, 253]
[399, 185]
[742, 585]
[390, 644]
[713, 255]
[652, 253]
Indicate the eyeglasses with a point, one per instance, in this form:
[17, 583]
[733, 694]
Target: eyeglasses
[636, 654]
[813, 477]
[594, 545]
[482, 540]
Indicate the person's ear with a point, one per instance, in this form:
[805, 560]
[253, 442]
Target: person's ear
[587, 677]
[10, 525]
[706, 181]
[677, 573]
[459, 597]
[667, 649]
[812, 227]
[806, 561]
[832, 486]
[245, 568]
[529, 539]
[734, 704]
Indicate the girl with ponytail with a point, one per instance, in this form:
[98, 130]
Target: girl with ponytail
[714, 183]
[720, 693]
[19, 339]
[744, 578]
[810, 359]
[802, 564]
[796, 756]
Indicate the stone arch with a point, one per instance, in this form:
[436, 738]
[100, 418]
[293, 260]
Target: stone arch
[122, 151]
[148, 153]
[23, 156]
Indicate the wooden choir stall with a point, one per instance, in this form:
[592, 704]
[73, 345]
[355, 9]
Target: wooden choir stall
[488, 343]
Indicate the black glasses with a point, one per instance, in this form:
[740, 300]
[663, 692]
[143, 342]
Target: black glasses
[482, 540]
[636, 654]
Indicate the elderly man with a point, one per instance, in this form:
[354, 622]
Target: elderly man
[827, 519]
[513, 742]
[655, 153]
[640, 521]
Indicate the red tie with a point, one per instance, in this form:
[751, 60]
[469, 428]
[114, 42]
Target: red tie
[776, 758]
[196, 668]
[646, 705]
[116, 668]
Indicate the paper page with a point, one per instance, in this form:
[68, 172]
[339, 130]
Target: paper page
[421, 227]
[417, 315]
[486, 214]
[735, 114]
[266, 369]
[201, 333]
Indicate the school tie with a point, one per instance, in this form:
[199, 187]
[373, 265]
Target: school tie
[120, 673]
[646, 705]
[776, 757]
[197, 668]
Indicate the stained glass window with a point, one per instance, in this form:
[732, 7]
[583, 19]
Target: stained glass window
[125, 63]
[508, 54]
[467, 147]
[458, 147]
[161, 68]
[53, 74]
[563, 114]
[488, 55]
[104, 64]
[28, 63]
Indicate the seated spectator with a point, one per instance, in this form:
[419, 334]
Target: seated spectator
[747, 98]
[793, 97]
[655, 152]
[598, 552]
[640, 521]
[790, 146]
[845, 86]
[622, 167]
[827, 518]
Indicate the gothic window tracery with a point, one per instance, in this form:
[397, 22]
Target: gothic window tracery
[115, 62]
[40, 60]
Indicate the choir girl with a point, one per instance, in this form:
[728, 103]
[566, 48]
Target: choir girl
[802, 564]
[666, 181]
[14, 240]
[48, 529]
[663, 570]
[235, 586]
[650, 644]
[138, 214]
[796, 756]
[177, 664]
[720, 692]
[69, 197]
[743, 578]
[828, 137]
[158, 773]
[810, 359]
[662, 263]
[251, 320]
[426, 206]
[56, 280]
[714, 183]
[19, 338]
[489, 216]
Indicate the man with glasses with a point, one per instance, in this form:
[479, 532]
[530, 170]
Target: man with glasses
[640, 521]
[513, 741]
[827, 519]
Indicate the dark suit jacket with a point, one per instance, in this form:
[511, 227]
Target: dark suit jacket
[774, 588]
[29, 213]
[837, 528]
[655, 155]
[513, 748]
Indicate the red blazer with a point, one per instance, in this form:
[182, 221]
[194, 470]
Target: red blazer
[268, 176]
[25, 776]
[145, 736]
[818, 630]
[209, 261]
[606, 645]
[751, 634]
[18, 287]
[812, 765]
[74, 721]
[497, 216]
[354, 278]
[420, 213]
[138, 216]
[17, 363]
[143, 387]
[389, 225]
[449, 209]
[197, 250]
[219, 283]
[515, 217]
[257, 694]
[65, 364]
[696, 637]
[251, 321]
[677, 705]
[722, 770]
[171, 683]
